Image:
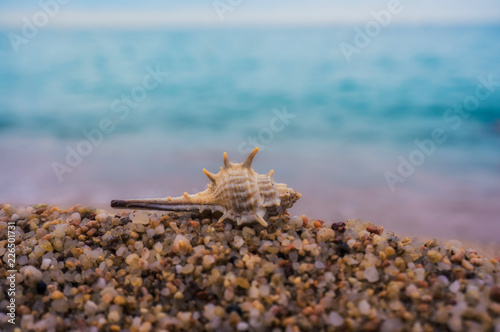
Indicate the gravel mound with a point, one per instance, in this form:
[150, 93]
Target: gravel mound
[90, 270]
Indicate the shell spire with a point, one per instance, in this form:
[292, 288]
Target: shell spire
[227, 163]
[212, 177]
[248, 162]
[237, 191]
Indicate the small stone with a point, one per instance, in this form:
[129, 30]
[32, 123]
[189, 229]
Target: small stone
[253, 292]
[22, 260]
[364, 307]
[467, 265]
[229, 293]
[371, 274]
[32, 275]
[375, 229]
[41, 287]
[59, 231]
[132, 260]
[391, 324]
[75, 217]
[208, 262]
[72, 263]
[338, 227]
[56, 295]
[101, 217]
[119, 300]
[158, 247]
[325, 234]
[335, 319]
[455, 286]
[389, 251]
[139, 217]
[114, 316]
[234, 308]
[248, 232]
[295, 222]
[90, 308]
[45, 263]
[318, 223]
[457, 258]
[181, 245]
[495, 293]
[344, 249]
[238, 241]
[115, 328]
[242, 282]
[60, 305]
[476, 261]
[242, 326]
[189, 268]
[434, 256]
[319, 265]
[297, 244]
[160, 229]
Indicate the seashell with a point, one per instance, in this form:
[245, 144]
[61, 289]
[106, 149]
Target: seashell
[237, 191]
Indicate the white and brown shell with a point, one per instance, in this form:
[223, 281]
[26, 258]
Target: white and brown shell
[237, 191]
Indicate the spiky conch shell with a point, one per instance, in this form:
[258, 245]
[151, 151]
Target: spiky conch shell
[237, 191]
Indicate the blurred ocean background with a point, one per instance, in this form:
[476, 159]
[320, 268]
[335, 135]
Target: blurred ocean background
[348, 123]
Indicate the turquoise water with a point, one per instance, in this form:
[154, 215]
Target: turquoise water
[347, 126]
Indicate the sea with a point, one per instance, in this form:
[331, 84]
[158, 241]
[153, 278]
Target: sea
[400, 128]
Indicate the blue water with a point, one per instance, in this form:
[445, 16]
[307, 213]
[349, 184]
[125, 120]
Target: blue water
[351, 120]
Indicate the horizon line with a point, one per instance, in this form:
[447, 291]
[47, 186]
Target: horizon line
[155, 19]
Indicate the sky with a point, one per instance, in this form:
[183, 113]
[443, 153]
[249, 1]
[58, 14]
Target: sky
[130, 13]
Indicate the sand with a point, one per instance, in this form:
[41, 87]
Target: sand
[91, 270]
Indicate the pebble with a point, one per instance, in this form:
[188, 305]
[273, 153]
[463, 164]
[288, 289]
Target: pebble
[181, 245]
[188, 269]
[102, 217]
[32, 275]
[467, 265]
[325, 234]
[139, 217]
[242, 282]
[455, 286]
[389, 251]
[295, 222]
[56, 295]
[434, 256]
[242, 326]
[90, 308]
[75, 217]
[45, 263]
[371, 274]
[60, 305]
[208, 262]
[319, 265]
[41, 287]
[364, 307]
[119, 300]
[495, 293]
[375, 229]
[335, 319]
